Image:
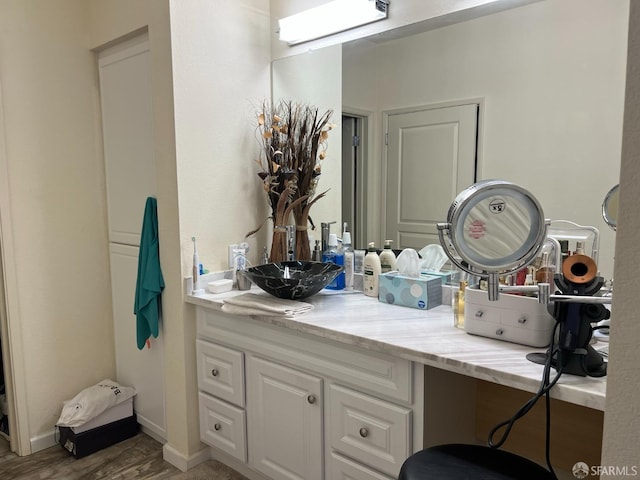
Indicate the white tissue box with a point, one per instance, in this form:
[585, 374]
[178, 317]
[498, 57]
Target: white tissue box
[445, 276]
[423, 292]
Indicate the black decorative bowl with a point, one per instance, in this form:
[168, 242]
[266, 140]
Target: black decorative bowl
[293, 280]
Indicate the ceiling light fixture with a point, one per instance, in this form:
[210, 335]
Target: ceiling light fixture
[329, 18]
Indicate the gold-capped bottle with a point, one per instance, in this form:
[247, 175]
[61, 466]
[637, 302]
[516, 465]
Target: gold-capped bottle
[458, 305]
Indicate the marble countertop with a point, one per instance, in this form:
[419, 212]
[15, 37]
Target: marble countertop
[428, 337]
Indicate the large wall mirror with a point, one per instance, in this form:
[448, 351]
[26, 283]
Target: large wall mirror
[533, 95]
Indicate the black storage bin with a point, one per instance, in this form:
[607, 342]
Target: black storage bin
[85, 443]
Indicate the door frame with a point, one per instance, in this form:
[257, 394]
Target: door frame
[479, 101]
[363, 175]
[10, 325]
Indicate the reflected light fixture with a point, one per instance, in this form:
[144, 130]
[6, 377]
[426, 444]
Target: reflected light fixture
[329, 18]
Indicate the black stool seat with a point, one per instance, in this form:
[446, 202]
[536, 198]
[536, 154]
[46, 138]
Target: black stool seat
[470, 462]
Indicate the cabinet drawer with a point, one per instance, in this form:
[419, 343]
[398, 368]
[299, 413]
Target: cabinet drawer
[343, 468]
[369, 430]
[221, 371]
[223, 426]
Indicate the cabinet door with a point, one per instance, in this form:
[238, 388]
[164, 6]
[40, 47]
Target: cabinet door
[284, 421]
[141, 369]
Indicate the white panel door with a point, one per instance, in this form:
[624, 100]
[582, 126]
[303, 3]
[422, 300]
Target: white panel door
[431, 157]
[127, 126]
[284, 421]
[141, 369]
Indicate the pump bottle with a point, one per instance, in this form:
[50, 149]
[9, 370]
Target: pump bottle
[349, 259]
[387, 258]
[372, 270]
[334, 255]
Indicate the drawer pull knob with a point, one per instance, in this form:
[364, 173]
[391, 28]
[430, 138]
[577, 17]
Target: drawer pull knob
[499, 331]
[217, 426]
[364, 432]
[311, 399]
[522, 320]
[479, 313]
[214, 372]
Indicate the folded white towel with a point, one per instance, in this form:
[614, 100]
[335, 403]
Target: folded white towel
[254, 304]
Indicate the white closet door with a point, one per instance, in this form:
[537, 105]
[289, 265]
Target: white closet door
[141, 369]
[127, 126]
[125, 91]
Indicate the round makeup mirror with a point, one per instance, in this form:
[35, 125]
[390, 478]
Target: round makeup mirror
[610, 207]
[493, 228]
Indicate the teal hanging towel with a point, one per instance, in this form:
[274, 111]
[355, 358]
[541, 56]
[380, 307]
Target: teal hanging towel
[150, 283]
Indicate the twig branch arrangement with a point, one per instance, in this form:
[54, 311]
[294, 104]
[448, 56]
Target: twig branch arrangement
[293, 139]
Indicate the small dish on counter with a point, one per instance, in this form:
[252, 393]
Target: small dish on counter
[220, 286]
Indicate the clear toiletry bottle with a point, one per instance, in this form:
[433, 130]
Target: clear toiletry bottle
[387, 258]
[458, 305]
[372, 270]
[349, 259]
[334, 255]
[546, 271]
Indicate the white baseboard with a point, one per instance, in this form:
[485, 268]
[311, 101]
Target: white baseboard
[181, 462]
[153, 434]
[152, 429]
[44, 441]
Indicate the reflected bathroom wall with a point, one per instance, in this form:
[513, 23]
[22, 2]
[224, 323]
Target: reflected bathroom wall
[551, 79]
[315, 78]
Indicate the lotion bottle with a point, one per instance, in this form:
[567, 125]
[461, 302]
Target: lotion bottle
[349, 259]
[372, 270]
[387, 258]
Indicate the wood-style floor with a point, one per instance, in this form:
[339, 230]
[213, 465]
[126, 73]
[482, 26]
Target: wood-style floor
[139, 457]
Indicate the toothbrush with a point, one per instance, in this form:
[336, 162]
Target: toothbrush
[196, 266]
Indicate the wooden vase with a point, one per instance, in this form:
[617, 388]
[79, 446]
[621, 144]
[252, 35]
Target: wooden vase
[279, 245]
[303, 250]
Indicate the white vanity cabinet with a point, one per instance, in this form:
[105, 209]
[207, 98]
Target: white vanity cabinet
[289, 405]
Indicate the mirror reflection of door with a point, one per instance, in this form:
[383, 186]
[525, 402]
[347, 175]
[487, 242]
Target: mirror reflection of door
[431, 157]
[354, 176]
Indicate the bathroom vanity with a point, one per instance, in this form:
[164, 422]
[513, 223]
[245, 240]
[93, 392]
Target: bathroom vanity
[352, 388]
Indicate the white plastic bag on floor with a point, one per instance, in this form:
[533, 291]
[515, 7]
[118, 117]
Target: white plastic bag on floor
[92, 401]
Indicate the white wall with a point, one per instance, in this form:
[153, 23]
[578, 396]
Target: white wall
[621, 419]
[111, 22]
[220, 63]
[60, 313]
[221, 76]
[62, 321]
[553, 86]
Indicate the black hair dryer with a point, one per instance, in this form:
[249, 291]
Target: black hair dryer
[575, 355]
